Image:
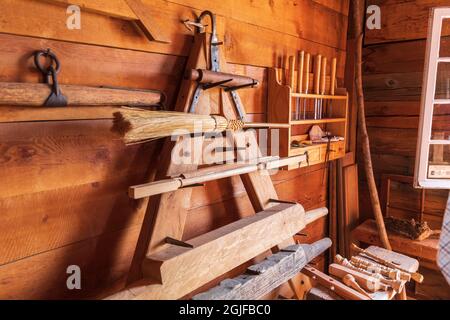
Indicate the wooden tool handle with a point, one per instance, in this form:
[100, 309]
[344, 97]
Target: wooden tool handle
[307, 70]
[208, 76]
[367, 282]
[292, 73]
[333, 76]
[350, 281]
[301, 61]
[35, 94]
[323, 77]
[317, 68]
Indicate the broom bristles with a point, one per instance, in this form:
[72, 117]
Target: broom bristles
[137, 125]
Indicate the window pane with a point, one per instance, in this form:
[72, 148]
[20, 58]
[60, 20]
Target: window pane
[439, 162]
[443, 81]
[445, 39]
[441, 122]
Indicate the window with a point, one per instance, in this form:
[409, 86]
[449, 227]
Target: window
[433, 147]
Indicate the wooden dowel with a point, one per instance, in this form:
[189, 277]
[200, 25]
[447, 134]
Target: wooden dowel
[207, 76]
[259, 125]
[35, 94]
[323, 78]
[292, 73]
[307, 71]
[317, 69]
[301, 61]
[205, 175]
[333, 76]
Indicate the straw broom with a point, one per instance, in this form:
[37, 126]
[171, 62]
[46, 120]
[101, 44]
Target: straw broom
[138, 125]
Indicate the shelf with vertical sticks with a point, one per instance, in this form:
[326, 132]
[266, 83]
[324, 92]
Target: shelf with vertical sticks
[303, 97]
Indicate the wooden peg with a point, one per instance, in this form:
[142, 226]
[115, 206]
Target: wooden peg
[333, 76]
[323, 77]
[301, 61]
[317, 69]
[307, 70]
[291, 71]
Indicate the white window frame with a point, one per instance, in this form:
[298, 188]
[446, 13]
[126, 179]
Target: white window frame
[428, 101]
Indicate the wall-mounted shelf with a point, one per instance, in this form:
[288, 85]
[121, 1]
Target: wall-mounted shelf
[297, 110]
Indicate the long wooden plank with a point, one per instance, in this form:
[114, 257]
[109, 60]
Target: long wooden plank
[122, 34]
[148, 289]
[403, 20]
[268, 274]
[183, 270]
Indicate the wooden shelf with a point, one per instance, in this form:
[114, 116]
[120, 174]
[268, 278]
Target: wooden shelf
[317, 96]
[281, 106]
[312, 121]
[426, 249]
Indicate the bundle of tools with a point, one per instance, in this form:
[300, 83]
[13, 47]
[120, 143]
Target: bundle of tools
[312, 87]
[139, 125]
[368, 273]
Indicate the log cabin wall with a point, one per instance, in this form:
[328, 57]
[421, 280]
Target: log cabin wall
[393, 70]
[63, 184]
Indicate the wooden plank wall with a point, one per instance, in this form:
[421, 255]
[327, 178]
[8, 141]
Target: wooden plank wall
[393, 70]
[63, 183]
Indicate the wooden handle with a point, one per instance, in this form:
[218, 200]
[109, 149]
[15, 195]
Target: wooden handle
[317, 68]
[35, 95]
[307, 70]
[333, 76]
[323, 77]
[301, 61]
[292, 73]
[208, 76]
[350, 281]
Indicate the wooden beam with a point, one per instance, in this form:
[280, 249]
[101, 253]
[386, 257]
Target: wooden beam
[148, 289]
[36, 94]
[267, 275]
[132, 10]
[182, 270]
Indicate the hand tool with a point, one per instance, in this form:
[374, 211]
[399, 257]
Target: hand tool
[317, 69]
[291, 78]
[323, 85]
[350, 281]
[301, 61]
[333, 284]
[215, 68]
[389, 273]
[366, 282]
[53, 94]
[332, 86]
[397, 285]
[306, 76]
[414, 275]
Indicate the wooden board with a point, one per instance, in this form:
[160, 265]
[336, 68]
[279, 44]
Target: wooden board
[267, 275]
[425, 249]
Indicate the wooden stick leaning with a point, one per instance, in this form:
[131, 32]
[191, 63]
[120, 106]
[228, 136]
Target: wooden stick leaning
[207, 174]
[358, 9]
[138, 125]
[414, 275]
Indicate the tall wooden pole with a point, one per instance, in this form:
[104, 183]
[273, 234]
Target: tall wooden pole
[358, 9]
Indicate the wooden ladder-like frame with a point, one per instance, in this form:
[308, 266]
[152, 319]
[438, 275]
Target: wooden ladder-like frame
[168, 211]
